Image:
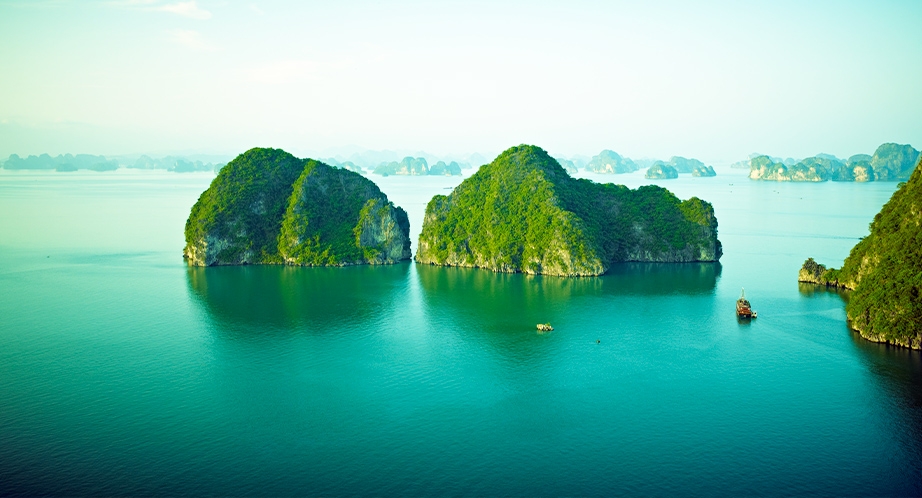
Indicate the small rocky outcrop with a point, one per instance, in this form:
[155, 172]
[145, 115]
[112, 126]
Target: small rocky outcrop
[269, 207]
[814, 273]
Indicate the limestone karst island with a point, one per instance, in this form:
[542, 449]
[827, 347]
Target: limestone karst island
[524, 213]
[884, 271]
[269, 207]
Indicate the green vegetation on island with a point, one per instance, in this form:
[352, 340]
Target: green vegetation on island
[524, 213]
[661, 171]
[269, 207]
[884, 271]
[890, 162]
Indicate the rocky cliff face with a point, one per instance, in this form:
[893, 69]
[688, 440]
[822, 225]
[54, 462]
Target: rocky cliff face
[382, 232]
[854, 172]
[524, 213]
[268, 207]
[884, 271]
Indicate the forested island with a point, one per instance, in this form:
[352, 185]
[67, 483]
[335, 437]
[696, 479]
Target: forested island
[884, 271]
[890, 162]
[524, 213]
[269, 207]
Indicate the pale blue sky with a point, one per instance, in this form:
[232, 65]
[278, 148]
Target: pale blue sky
[714, 80]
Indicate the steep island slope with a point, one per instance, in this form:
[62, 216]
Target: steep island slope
[524, 213]
[269, 207]
[885, 271]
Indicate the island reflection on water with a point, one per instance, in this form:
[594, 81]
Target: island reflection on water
[318, 298]
[897, 370]
[286, 297]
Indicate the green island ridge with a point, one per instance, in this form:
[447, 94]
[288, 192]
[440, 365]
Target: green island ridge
[269, 207]
[884, 271]
[890, 162]
[524, 213]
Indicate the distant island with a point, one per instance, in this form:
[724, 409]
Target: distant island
[524, 213]
[62, 162]
[610, 162]
[269, 207]
[417, 166]
[890, 162]
[70, 163]
[348, 165]
[568, 165]
[661, 170]
[884, 271]
[706, 171]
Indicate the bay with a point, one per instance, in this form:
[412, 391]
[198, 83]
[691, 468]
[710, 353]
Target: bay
[122, 371]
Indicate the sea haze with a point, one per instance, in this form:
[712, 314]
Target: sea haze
[123, 371]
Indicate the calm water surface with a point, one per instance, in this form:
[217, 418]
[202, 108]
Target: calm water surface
[122, 371]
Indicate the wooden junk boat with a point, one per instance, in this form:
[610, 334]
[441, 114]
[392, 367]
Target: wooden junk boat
[743, 308]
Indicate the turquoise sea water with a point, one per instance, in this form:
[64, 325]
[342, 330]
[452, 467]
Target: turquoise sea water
[122, 371]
